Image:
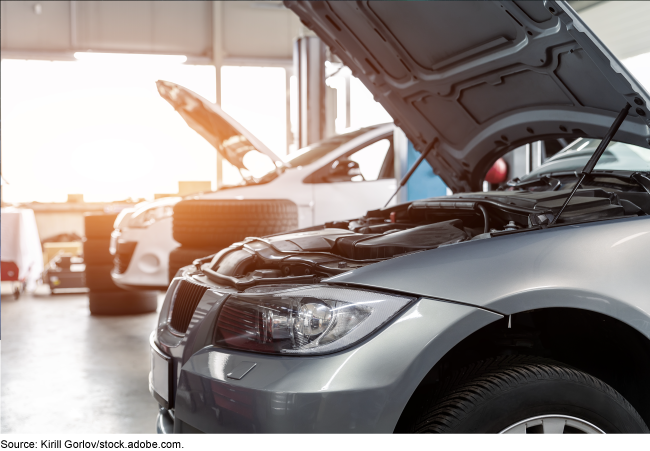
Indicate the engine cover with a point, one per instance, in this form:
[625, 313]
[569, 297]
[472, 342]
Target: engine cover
[394, 242]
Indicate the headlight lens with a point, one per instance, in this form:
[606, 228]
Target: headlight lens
[146, 217]
[304, 321]
[122, 218]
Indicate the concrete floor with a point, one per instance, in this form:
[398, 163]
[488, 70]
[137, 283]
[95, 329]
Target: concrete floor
[66, 371]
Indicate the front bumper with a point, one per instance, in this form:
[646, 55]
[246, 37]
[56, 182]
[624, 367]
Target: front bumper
[165, 422]
[363, 389]
[148, 266]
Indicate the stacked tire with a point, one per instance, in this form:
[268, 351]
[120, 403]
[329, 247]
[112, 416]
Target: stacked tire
[205, 226]
[105, 297]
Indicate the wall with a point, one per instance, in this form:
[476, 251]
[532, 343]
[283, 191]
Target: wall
[423, 183]
[50, 224]
[55, 218]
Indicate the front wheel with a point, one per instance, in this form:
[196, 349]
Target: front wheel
[524, 395]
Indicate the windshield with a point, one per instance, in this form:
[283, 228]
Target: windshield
[309, 154]
[266, 170]
[617, 157]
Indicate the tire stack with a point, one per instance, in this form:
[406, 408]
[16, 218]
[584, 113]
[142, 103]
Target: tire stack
[105, 297]
[205, 226]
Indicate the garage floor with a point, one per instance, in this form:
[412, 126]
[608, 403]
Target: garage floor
[66, 371]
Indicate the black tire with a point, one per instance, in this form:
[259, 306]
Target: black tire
[491, 395]
[98, 278]
[217, 223]
[99, 225]
[96, 251]
[122, 302]
[183, 256]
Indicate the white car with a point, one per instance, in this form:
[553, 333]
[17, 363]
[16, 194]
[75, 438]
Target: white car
[340, 177]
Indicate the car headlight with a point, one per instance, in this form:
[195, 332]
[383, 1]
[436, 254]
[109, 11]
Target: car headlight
[304, 321]
[123, 218]
[146, 217]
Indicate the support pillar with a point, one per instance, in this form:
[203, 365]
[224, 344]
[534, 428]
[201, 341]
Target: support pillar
[217, 58]
[309, 68]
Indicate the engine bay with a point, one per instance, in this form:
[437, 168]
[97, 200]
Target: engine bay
[310, 255]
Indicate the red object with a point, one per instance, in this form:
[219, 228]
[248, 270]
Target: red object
[10, 272]
[393, 216]
[498, 172]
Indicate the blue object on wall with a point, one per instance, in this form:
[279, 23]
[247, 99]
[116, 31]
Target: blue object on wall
[423, 183]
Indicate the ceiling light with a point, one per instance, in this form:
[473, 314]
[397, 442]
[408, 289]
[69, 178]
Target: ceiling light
[135, 58]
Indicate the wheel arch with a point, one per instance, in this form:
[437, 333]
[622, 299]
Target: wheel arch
[589, 340]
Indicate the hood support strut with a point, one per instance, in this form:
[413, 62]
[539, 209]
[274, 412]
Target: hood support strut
[591, 164]
[408, 175]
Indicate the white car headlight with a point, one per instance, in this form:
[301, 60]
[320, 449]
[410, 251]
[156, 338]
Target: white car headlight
[123, 218]
[304, 321]
[146, 217]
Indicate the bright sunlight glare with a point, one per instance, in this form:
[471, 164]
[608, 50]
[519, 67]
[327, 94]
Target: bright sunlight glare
[100, 128]
[97, 126]
[640, 67]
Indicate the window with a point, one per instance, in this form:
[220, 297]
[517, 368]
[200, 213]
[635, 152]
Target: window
[102, 121]
[256, 97]
[310, 154]
[617, 157]
[371, 162]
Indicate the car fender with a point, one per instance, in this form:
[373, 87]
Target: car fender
[362, 389]
[599, 266]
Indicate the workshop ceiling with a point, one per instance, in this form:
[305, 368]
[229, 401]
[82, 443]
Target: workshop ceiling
[209, 31]
[621, 25]
[56, 29]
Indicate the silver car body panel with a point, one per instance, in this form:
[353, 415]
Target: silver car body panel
[461, 288]
[598, 266]
[363, 389]
[480, 78]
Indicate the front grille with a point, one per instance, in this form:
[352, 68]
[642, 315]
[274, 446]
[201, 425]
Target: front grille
[186, 298]
[123, 254]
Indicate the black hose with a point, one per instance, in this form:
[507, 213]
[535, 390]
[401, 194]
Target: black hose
[486, 218]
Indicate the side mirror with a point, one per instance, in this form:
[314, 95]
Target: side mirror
[344, 170]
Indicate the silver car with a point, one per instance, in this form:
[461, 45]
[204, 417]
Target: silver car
[521, 310]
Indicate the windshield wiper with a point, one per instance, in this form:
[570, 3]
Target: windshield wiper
[643, 179]
[596, 156]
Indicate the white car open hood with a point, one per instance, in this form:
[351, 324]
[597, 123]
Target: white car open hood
[225, 134]
[474, 80]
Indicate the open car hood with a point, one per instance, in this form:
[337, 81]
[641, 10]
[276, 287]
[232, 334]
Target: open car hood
[474, 80]
[225, 134]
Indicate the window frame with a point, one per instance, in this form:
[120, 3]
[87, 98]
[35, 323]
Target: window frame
[320, 174]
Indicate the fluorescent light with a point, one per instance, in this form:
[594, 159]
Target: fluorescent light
[136, 58]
